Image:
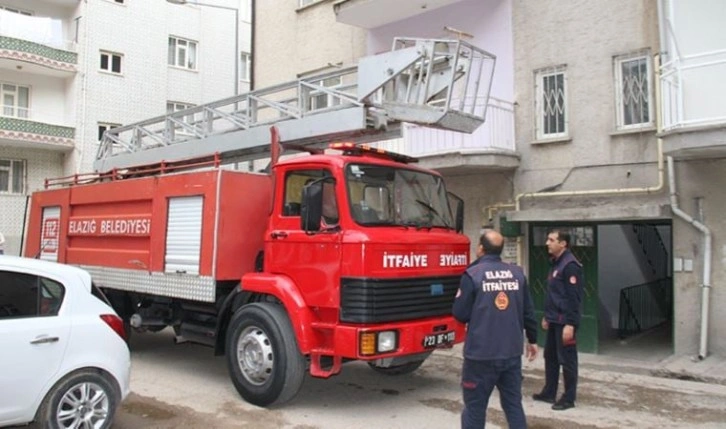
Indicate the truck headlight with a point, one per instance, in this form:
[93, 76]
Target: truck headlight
[372, 342]
[387, 341]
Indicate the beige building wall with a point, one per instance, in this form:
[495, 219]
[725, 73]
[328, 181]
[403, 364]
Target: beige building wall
[290, 41]
[700, 188]
[584, 37]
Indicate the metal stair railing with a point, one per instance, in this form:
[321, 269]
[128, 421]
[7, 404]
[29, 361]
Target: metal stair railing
[653, 248]
[428, 82]
[644, 306]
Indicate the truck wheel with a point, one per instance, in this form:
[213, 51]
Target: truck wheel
[263, 359]
[406, 368]
[82, 399]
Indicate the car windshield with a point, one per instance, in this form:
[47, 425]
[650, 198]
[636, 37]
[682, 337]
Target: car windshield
[397, 196]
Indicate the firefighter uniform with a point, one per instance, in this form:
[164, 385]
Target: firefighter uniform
[494, 300]
[562, 307]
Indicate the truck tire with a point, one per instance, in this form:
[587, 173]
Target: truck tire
[263, 358]
[406, 368]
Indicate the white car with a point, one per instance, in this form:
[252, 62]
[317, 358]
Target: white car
[64, 361]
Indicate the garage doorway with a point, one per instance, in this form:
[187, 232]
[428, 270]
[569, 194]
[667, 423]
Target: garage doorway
[628, 297]
[636, 290]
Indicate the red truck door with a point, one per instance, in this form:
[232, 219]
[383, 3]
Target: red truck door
[311, 260]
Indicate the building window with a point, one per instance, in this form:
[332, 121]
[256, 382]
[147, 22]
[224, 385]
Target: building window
[182, 53]
[103, 127]
[16, 10]
[245, 11]
[244, 66]
[111, 62]
[15, 99]
[632, 91]
[175, 106]
[551, 103]
[319, 99]
[12, 176]
[304, 3]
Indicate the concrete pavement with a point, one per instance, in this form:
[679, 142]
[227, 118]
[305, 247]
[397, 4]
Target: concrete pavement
[185, 386]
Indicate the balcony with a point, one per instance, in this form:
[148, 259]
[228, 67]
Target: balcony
[694, 105]
[21, 130]
[368, 13]
[35, 45]
[489, 148]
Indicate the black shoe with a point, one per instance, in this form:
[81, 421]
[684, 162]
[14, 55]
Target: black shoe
[542, 398]
[562, 405]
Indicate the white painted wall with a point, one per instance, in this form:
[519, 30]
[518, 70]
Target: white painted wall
[290, 40]
[47, 96]
[490, 22]
[696, 40]
[139, 30]
[147, 81]
[48, 9]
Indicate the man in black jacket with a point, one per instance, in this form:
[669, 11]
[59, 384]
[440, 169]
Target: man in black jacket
[494, 300]
[561, 319]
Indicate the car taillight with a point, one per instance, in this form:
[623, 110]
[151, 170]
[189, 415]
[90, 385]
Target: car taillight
[115, 323]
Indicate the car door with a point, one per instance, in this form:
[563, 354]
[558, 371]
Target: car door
[34, 331]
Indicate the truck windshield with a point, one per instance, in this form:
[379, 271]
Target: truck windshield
[397, 196]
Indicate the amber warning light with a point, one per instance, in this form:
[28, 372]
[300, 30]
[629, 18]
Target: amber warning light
[352, 149]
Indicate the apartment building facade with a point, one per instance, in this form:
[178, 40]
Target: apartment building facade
[599, 101]
[71, 69]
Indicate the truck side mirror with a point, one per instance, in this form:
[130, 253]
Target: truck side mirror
[456, 205]
[459, 216]
[311, 206]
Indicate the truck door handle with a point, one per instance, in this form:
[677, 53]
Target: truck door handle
[44, 340]
[278, 234]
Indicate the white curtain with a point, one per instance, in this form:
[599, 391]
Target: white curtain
[47, 31]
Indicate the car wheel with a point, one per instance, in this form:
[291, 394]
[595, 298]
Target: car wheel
[83, 399]
[406, 368]
[264, 362]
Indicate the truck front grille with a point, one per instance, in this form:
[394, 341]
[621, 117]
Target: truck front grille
[366, 300]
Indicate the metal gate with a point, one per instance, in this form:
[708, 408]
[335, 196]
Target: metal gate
[584, 247]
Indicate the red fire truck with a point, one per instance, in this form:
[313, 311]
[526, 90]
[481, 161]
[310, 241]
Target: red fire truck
[354, 254]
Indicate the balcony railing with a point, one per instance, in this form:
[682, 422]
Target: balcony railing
[39, 50]
[496, 134]
[693, 90]
[18, 123]
[36, 40]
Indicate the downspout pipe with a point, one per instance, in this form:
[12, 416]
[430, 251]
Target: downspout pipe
[706, 286]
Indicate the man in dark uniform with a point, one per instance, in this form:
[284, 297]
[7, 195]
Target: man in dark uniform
[495, 302]
[561, 319]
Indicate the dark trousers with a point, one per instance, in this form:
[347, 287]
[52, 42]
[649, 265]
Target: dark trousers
[557, 354]
[478, 379]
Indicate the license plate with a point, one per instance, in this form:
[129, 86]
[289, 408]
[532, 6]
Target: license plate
[435, 340]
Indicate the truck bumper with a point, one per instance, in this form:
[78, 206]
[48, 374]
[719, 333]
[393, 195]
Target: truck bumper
[413, 337]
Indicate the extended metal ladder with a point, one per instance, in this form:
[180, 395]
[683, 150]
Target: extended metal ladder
[437, 83]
